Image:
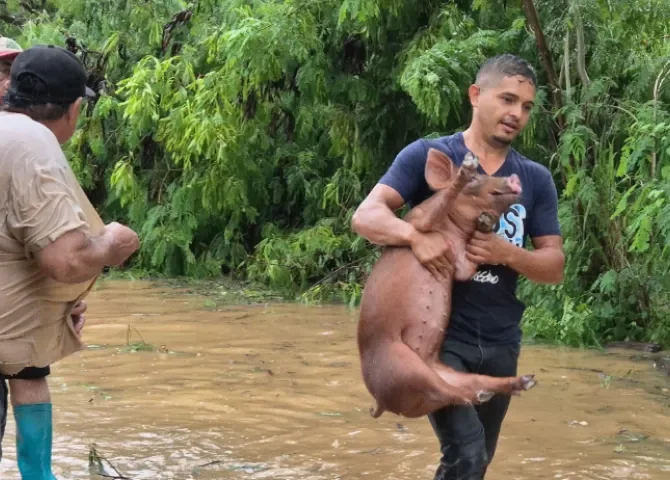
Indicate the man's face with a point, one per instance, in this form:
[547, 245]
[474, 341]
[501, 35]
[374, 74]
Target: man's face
[502, 107]
[70, 120]
[4, 78]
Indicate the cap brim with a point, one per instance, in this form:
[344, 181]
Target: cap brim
[9, 54]
[90, 93]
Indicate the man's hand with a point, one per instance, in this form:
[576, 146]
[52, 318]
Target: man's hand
[488, 248]
[124, 243]
[545, 264]
[76, 258]
[78, 318]
[434, 251]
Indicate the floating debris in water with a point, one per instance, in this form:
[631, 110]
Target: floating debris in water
[582, 423]
[629, 436]
[96, 465]
[247, 468]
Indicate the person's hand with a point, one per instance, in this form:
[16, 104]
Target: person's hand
[434, 251]
[487, 248]
[78, 318]
[124, 242]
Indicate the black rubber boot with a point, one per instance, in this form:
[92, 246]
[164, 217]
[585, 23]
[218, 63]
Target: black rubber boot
[445, 473]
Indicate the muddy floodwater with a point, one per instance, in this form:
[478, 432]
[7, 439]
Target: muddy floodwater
[273, 391]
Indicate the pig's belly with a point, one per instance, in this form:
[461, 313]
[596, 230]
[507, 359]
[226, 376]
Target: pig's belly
[407, 302]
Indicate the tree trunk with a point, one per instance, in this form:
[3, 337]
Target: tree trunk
[545, 55]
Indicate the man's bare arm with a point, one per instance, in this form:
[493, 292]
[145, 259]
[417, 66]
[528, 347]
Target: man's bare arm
[544, 264]
[75, 258]
[376, 221]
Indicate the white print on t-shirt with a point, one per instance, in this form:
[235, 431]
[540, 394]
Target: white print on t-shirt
[510, 225]
[485, 276]
[511, 228]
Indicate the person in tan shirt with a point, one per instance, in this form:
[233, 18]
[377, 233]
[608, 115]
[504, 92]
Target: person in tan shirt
[29, 384]
[53, 245]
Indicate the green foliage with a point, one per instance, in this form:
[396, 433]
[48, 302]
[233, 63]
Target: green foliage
[613, 157]
[239, 136]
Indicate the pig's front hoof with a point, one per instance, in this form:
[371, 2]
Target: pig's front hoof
[484, 396]
[470, 162]
[486, 223]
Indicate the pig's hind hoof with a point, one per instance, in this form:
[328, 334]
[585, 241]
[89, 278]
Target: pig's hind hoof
[528, 382]
[484, 396]
[524, 383]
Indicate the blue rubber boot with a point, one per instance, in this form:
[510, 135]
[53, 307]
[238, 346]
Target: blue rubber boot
[33, 441]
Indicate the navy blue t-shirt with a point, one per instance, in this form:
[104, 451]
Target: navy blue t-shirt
[486, 310]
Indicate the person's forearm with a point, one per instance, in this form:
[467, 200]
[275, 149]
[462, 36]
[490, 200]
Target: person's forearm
[379, 225]
[87, 260]
[544, 265]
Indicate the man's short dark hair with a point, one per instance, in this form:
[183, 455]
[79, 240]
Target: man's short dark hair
[46, 112]
[506, 65]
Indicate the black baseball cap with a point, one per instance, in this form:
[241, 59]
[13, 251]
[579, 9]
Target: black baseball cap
[47, 74]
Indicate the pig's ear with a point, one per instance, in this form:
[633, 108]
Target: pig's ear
[440, 170]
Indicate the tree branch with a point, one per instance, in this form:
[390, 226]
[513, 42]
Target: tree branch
[545, 55]
[29, 7]
[581, 49]
[11, 20]
[566, 64]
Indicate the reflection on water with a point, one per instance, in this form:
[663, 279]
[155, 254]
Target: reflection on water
[274, 391]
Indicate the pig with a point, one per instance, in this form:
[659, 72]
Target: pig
[405, 307]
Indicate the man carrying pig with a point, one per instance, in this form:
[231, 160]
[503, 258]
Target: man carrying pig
[484, 334]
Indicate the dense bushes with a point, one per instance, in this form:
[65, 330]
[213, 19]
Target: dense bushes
[241, 134]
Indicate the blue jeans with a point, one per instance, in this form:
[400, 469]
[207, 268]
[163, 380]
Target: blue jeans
[469, 435]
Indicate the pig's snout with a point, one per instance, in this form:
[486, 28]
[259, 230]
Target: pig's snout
[514, 183]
